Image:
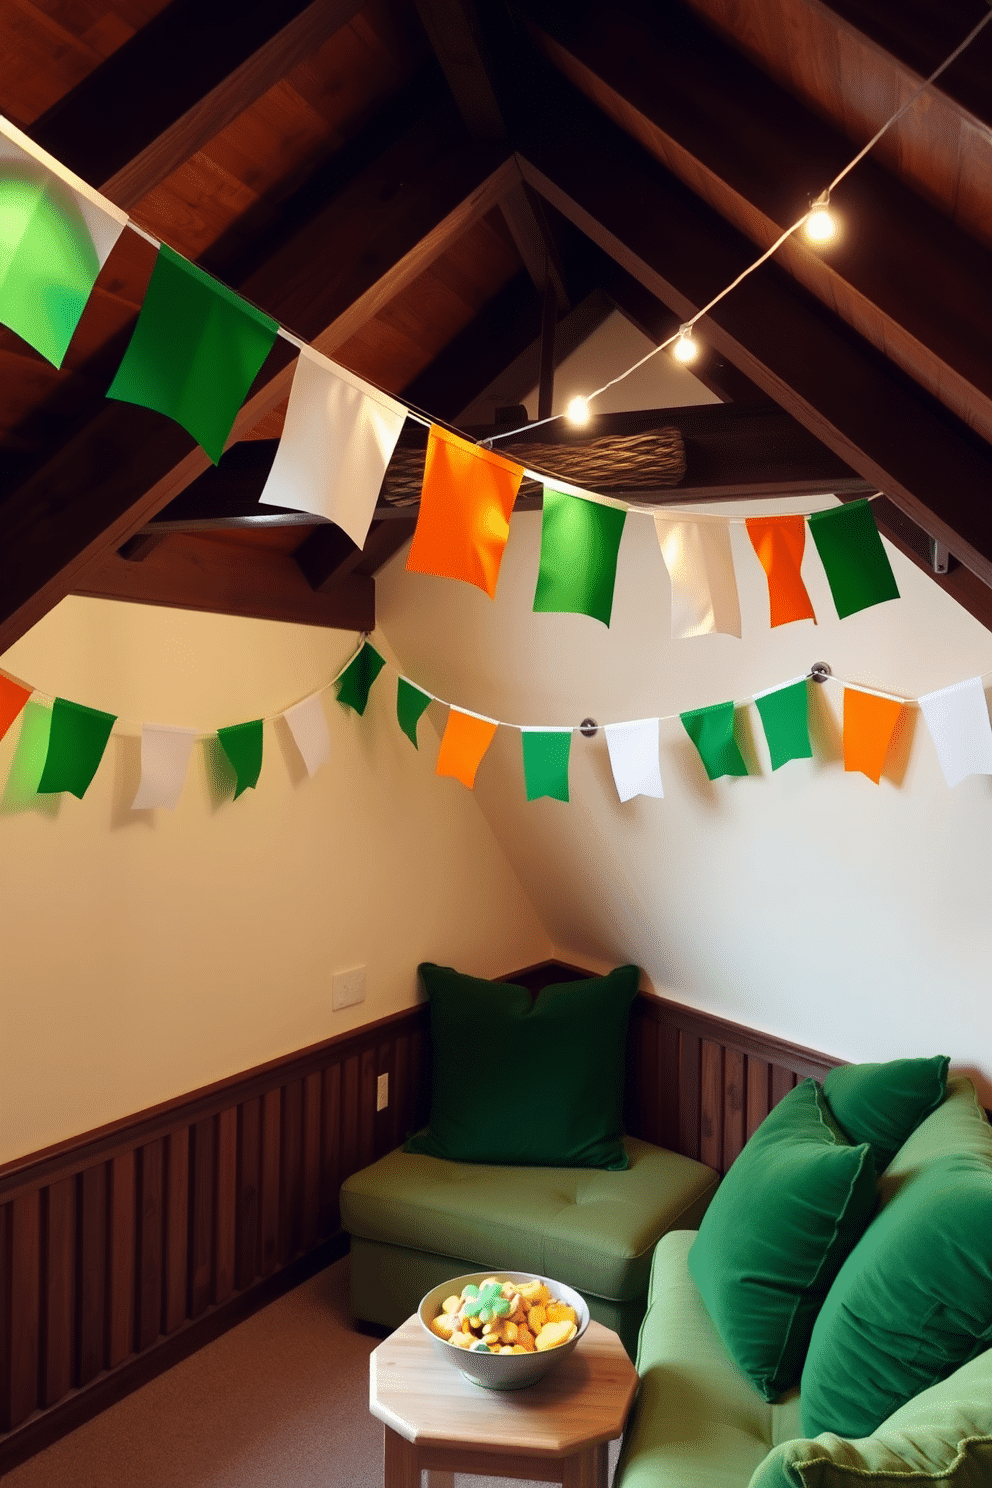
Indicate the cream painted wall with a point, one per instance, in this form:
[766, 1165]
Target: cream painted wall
[806, 902]
[148, 953]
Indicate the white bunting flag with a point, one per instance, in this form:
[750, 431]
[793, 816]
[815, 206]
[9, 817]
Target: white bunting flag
[165, 756]
[633, 751]
[308, 725]
[701, 567]
[958, 720]
[105, 221]
[339, 436]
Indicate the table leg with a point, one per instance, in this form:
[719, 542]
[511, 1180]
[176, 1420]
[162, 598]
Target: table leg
[588, 1469]
[401, 1464]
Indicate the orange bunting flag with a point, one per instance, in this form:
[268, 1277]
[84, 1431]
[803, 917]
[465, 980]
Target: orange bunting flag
[869, 723]
[465, 506]
[779, 543]
[12, 700]
[466, 739]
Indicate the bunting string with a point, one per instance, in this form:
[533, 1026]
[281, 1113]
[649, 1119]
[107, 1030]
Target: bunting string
[957, 717]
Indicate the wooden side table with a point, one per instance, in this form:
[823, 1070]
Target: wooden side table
[555, 1431]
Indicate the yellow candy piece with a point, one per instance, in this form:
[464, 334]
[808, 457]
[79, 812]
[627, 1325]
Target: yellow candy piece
[461, 1340]
[509, 1332]
[517, 1348]
[536, 1318]
[553, 1335]
[525, 1339]
[451, 1304]
[529, 1290]
[560, 1312]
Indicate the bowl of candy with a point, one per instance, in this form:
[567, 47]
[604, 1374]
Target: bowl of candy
[504, 1329]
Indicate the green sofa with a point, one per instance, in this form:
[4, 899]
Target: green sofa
[417, 1220]
[699, 1423]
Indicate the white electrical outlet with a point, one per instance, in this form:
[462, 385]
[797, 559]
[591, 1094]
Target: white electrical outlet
[382, 1092]
[347, 988]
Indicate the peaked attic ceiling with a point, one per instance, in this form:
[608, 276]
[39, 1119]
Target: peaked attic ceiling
[446, 197]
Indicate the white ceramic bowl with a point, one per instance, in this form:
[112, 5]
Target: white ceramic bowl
[501, 1371]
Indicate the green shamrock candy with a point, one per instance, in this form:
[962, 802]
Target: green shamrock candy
[483, 1301]
[480, 1348]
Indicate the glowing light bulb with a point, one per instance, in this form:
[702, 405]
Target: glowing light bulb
[578, 411]
[685, 349]
[821, 225]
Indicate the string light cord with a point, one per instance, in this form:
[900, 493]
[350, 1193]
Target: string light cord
[685, 329]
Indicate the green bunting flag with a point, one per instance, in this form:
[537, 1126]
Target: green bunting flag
[856, 564]
[195, 351]
[76, 742]
[411, 702]
[242, 743]
[546, 762]
[579, 545]
[712, 731]
[784, 719]
[356, 680]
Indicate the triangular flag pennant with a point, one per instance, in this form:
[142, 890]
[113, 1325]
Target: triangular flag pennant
[411, 702]
[579, 544]
[712, 731]
[546, 754]
[869, 723]
[308, 726]
[465, 506]
[195, 351]
[633, 751]
[242, 743]
[12, 700]
[76, 743]
[465, 740]
[958, 720]
[779, 544]
[857, 566]
[785, 722]
[704, 585]
[165, 756]
[355, 682]
[56, 234]
[339, 436]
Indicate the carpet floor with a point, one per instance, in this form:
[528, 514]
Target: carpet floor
[281, 1401]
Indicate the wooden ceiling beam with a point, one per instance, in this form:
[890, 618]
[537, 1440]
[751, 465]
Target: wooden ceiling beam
[886, 428]
[199, 573]
[455, 34]
[759, 156]
[177, 83]
[127, 463]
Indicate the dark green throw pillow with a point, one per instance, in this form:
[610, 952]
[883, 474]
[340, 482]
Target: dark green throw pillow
[881, 1104]
[516, 1080]
[790, 1209]
[914, 1300]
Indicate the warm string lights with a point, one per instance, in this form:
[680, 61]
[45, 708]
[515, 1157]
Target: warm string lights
[819, 226]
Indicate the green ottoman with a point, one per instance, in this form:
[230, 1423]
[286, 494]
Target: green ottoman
[414, 1221]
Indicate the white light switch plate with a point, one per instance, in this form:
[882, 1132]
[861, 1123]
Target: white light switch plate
[348, 987]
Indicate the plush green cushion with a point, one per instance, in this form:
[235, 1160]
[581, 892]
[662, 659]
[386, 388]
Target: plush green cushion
[697, 1423]
[914, 1299]
[789, 1210]
[594, 1230]
[522, 1081]
[941, 1439]
[881, 1104]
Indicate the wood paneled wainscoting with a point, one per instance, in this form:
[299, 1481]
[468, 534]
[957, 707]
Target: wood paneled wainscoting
[124, 1249]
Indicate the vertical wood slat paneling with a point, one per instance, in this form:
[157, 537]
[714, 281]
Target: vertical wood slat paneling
[291, 1171]
[783, 1080]
[311, 1159]
[711, 1104]
[757, 1096]
[176, 1230]
[733, 1105]
[689, 1094]
[268, 1187]
[225, 1204]
[350, 1095]
[121, 1262]
[201, 1215]
[151, 1177]
[23, 1308]
[58, 1289]
[331, 1170]
[6, 1297]
[91, 1271]
[246, 1223]
[366, 1109]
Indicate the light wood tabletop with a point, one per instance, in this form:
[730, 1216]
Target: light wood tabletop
[555, 1430]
